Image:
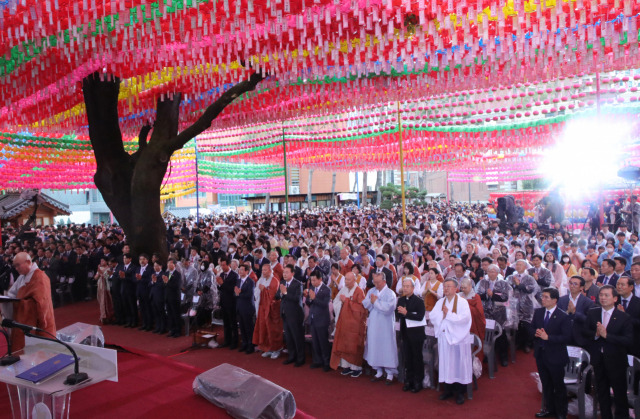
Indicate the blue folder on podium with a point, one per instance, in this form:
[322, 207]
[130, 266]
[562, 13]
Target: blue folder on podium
[47, 368]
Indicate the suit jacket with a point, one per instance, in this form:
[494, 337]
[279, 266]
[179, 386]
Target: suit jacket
[143, 286]
[116, 281]
[319, 307]
[247, 258]
[157, 289]
[619, 334]
[295, 251]
[633, 310]
[261, 262]
[291, 306]
[544, 276]
[415, 311]
[227, 294]
[554, 350]
[129, 280]
[388, 276]
[612, 281]
[172, 287]
[244, 302]
[578, 318]
[508, 271]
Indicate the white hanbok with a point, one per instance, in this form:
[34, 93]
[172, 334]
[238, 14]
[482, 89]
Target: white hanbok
[381, 350]
[454, 340]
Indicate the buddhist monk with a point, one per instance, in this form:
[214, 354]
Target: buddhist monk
[33, 288]
[267, 334]
[351, 321]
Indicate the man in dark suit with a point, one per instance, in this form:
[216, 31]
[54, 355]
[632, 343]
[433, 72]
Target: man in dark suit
[258, 261]
[505, 269]
[245, 308]
[290, 292]
[551, 328]
[143, 288]
[128, 281]
[115, 287]
[227, 281]
[298, 274]
[172, 281]
[576, 305]
[541, 274]
[630, 304]
[411, 307]
[157, 299]
[381, 260]
[295, 249]
[246, 254]
[318, 297]
[608, 276]
[216, 253]
[313, 267]
[609, 333]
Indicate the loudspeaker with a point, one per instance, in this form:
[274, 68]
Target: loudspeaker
[243, 394]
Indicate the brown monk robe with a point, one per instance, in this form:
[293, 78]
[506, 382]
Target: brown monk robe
[267, 334]
[35, 307]
[478, 322]
[348, 343]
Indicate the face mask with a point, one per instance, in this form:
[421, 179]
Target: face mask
[609, 250]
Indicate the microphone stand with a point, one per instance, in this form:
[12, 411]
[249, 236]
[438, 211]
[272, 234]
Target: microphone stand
[8, 359]
[72, 379]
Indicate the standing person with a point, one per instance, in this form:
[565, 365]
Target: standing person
[35, 308]
[156, 299]
[411, 313]
[318, 297]
[609, 333]
[172, 281]
[525, 289]
[451, 318]
[227, 282]
[267, 334]
[494, 293]
[128, 280]
[576, 305]
[290, 294]
[551, 328]
[143, 288]
[630, 304]
[245, 307]
[115, 287]
[351, 323]
[381, 349]
[104, 297]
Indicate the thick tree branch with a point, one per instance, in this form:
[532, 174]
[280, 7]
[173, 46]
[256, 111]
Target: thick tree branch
[212, 112]
[101, 102]
[142, 143]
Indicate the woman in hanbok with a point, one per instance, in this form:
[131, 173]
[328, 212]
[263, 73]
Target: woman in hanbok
[104, 295]
[432, 288]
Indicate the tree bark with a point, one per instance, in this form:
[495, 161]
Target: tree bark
[131, 184]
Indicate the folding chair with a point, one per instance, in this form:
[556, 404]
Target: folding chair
[476, 347]
[492, 332]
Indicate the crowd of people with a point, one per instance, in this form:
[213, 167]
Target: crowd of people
[366, 291]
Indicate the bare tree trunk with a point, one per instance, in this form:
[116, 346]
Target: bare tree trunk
[267, 203]
[364, 188]
[333, 189]
[379, 175]
[309, 194]
[130, 184]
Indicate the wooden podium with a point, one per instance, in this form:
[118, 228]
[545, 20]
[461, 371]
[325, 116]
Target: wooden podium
[28, 399]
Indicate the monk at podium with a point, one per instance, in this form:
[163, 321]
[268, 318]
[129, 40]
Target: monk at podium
[35, 308]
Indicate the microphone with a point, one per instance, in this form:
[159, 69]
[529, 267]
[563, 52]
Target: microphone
[13, 325]
[72, 379]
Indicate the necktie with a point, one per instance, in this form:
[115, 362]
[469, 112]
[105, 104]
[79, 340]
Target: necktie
[624, 303]
[546, 318]
[605, 319]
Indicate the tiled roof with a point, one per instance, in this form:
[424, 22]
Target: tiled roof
[11, 204]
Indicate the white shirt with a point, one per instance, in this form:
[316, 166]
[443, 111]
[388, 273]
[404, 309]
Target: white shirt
[550, 311]
[574, 301]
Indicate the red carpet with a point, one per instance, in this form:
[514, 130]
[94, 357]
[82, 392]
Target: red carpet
[151, 386]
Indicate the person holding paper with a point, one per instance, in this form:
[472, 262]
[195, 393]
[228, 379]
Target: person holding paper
[35, 307]
[411, 313]
[451, 318]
